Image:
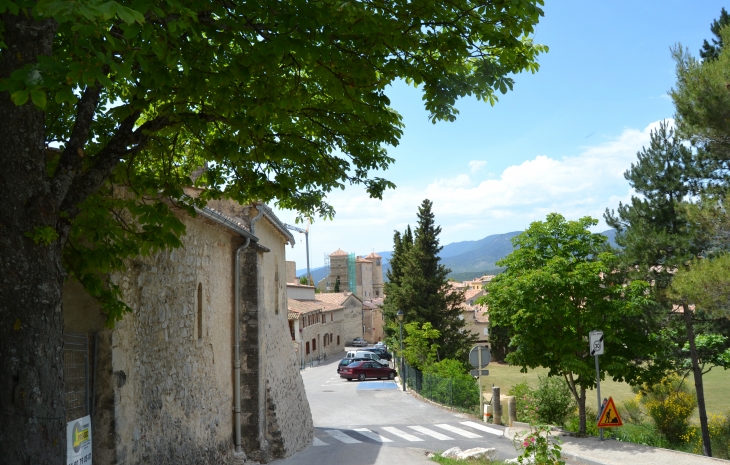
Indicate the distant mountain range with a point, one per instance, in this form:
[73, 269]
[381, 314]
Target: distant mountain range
[466, 259]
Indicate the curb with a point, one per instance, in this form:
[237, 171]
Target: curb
[581, 459]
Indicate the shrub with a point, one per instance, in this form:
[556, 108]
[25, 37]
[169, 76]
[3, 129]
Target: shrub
[525, 402]
[554, 400]
[719, 426]
[670, 404]
[572, 423]
[538, 448]
[632, 412]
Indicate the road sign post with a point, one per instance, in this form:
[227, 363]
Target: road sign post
[479, 357]
[595, 346]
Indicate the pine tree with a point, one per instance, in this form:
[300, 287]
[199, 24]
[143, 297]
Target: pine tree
[656, 236]
[419, 287]
[710, 51]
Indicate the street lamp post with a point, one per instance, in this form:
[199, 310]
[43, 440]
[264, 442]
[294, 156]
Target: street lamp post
[400, 316]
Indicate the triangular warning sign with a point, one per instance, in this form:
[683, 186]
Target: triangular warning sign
[609, 417]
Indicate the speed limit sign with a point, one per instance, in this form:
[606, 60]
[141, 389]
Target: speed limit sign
[596, 342]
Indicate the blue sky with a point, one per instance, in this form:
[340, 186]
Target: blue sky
[560, 141]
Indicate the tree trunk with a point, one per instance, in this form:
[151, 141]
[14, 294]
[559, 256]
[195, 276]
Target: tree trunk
[697, 370]
[582, 410]
[32, 419]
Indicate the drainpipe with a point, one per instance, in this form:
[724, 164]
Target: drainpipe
[237, 350]
[255, 219]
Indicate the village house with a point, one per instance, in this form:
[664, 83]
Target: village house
[373, 320]
[201, 370]
[477, 321]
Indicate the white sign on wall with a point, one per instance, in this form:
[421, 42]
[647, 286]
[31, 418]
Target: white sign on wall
[78, 441]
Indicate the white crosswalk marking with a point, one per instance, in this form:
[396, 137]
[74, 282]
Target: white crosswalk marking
[430, 432]
[319, 442]
[402, 434]
[484, 428]
[459, 431]
[372, 435]
[340, 436]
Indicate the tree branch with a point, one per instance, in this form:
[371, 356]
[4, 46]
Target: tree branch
[73, 153]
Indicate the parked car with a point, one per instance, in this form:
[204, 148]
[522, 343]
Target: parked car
[365, 354]
[346, 361]
[359, 342]
[381, 344]
[380, 352]
[364, 370]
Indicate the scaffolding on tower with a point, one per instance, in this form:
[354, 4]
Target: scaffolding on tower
[327, 284]
[352, 279]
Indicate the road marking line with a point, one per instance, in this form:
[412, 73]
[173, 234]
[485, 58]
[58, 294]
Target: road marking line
[372, 435]
[319, 442]
[340, 436]
[403, 434]
[459, 431]
[482, 427]
[430, 432]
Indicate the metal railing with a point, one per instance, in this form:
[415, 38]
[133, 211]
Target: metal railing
[458, 393]
[76, 375]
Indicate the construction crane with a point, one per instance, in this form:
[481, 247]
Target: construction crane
[306, 240]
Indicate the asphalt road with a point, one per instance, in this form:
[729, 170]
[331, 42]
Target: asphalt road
[375, 423]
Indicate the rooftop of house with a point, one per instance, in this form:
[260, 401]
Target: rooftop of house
[480, 315]
[362, 260]
[338, 253]
[336, 298]
[373, 255]
[300, 307]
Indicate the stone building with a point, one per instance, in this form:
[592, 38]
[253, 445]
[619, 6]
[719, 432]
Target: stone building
[377, 269]
[363, 276]
[352, 317]
[164, 386]
[373, 320]
[477, 321]
[316, 328]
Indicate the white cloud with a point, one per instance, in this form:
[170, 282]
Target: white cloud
[476, 165]
[471, 206]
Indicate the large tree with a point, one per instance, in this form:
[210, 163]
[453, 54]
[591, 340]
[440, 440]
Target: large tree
[560, 284]
[657, 237]
[422, 291]
[285, 100]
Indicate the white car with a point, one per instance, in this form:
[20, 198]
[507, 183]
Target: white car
[365, 354]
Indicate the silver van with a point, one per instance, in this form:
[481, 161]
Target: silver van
[365, 354]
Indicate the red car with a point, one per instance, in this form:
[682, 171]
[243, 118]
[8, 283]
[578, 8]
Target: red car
[364, 370]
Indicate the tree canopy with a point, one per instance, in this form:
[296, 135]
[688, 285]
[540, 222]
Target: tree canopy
[560, 283]
[282, 100]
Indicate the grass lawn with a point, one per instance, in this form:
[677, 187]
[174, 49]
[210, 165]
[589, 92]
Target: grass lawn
[716, 382]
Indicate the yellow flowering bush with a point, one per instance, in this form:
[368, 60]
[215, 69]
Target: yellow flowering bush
[719, 426]
[670, 404]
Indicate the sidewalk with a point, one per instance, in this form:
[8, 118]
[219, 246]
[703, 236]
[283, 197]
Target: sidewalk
[592, 451]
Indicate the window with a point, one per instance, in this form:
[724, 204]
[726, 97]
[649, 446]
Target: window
[307, 348]
[314, 344]
[338, 339]
[200, 310]
[332, 317]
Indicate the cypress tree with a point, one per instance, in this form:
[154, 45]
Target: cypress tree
[421, 288]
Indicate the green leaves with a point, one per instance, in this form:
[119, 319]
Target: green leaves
[44, 235]
[558, 286]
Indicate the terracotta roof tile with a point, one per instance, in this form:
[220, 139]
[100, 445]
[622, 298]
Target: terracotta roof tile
[336, 298]
[480, 316]
[308, 306]
[338, 253]
[373, 255]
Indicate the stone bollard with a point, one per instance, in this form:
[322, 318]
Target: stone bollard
[496, 406]
[512, 410]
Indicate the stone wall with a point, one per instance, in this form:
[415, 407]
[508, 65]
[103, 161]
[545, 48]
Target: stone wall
[289, 426]
[171, 358]
[352, 326]
[164, 387]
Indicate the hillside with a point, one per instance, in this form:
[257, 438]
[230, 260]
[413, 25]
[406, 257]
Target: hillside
[466, 259]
